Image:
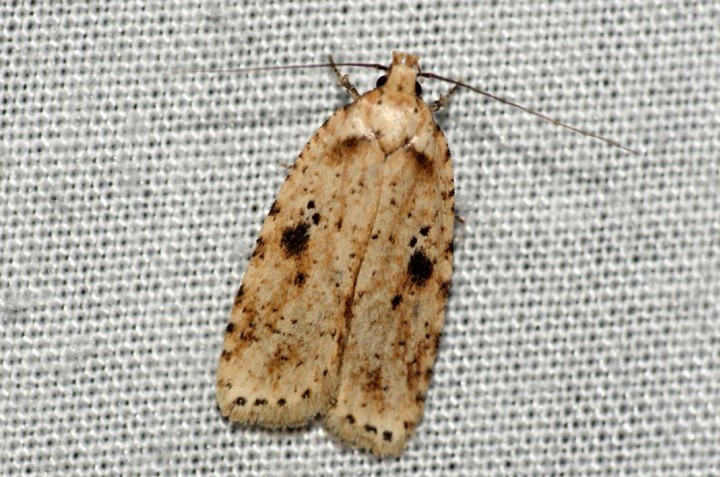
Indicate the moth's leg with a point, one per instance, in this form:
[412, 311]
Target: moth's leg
[343, 80]
[443, 100]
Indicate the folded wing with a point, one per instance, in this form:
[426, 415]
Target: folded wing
[399, 302]
[282, 348]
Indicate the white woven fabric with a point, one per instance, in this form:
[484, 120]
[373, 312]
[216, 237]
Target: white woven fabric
[582, 334]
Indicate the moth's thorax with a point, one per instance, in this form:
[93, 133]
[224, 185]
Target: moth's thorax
[395, 119]
[395, 114]
[392, 114]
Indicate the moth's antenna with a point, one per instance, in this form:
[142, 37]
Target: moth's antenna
[531, 111]
[426, 75]
[280, 67]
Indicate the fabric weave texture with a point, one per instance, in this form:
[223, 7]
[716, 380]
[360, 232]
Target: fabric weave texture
[582, 333]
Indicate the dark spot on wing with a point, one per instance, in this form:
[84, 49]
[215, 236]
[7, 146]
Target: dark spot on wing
[369, 428]
[420, 268]
[260, 402]
[274, 209]
[240, 401]
[422, 160]
[306, 394]
[300, 279]
[348, 307]
[316, 218]
[281, 402]
[311, 204]
[230, 328]
[387, 436]
[238, 296]
[413, 241]
[350, 419]
[396, 301]
[352, 141]
[345, 149]
[445, 289]
[294, 239]
[424, 231]
[259, 247]
[450, 247]
[374, 380]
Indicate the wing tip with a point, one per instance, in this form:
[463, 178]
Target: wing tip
[257, 405]
[380, 441]
[278, 413]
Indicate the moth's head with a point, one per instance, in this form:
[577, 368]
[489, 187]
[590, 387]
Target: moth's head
[402, 74]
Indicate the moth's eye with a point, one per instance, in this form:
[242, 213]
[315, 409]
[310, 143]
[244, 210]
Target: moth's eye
[381, 81]
[418, 89]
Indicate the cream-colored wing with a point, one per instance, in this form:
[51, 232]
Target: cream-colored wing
[400, 296]
[281, 354]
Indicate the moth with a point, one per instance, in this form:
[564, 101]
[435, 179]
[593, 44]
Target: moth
[342, 305]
